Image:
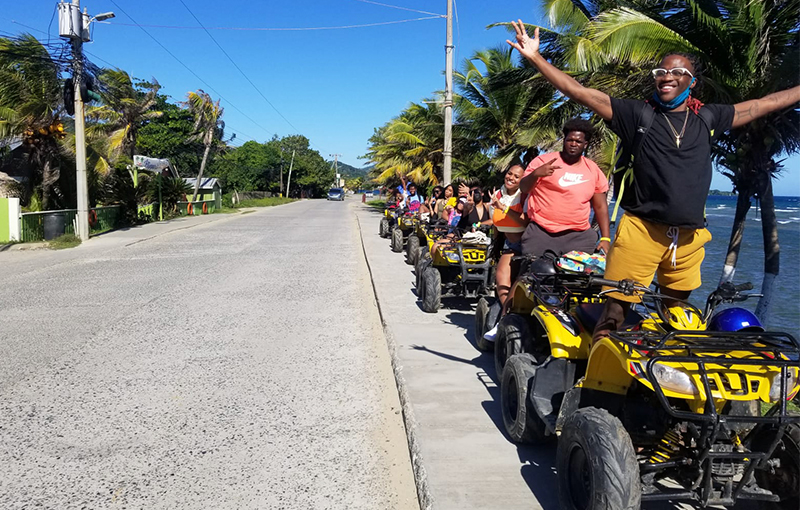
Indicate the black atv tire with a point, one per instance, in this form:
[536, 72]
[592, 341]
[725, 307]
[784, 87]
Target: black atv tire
[432, 290]
[412, 249]
[513, 333]
[596, 464]
[785, 481]
[419, 269]
[481, 314]
[397, 240]
[384, 228]
[521, 422]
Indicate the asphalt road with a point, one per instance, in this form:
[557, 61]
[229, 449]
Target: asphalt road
[236, 364]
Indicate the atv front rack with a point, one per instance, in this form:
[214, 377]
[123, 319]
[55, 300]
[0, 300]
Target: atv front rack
[775, 350]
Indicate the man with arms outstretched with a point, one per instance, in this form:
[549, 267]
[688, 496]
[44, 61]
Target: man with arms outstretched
[663, 229]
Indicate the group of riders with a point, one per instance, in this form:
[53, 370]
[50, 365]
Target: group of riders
[545, 202]
[645, 400]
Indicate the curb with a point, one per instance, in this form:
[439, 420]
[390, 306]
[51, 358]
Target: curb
[420, 476]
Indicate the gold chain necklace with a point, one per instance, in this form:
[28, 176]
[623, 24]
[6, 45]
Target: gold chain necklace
[678, 137]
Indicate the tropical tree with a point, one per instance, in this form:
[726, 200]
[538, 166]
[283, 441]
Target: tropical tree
[504, 107]
[169, 136]
[126, 107]
[31, 105]
[208, 127]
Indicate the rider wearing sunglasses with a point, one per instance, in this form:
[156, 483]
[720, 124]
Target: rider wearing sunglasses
[663, 229]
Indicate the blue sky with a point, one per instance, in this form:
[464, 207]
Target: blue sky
[333, 86]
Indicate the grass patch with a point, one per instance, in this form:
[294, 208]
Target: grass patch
[226, 210]
[264, 202]
[377, 204]
[792, 407]
[63, 242]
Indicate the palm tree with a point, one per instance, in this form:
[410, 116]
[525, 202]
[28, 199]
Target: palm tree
[749, 48]
[504, 107]
[126, 107]
[208, 127]
[31, 104]
[399, 148]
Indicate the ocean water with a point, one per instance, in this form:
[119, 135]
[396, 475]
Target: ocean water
[785, 313]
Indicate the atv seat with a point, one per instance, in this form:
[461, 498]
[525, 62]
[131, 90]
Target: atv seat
[589, 314]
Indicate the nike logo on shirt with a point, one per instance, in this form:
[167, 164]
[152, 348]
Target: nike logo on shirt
[569, 179]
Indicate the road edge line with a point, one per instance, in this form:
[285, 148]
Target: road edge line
[410, 422]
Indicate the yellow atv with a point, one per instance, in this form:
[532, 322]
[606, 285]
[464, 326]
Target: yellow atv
[460, 267]
[660, 410]
[406, 224]
[388, 221]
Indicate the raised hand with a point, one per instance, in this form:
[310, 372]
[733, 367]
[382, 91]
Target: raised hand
[526, 46]
[546, 169]
[495, 201]
[463, 190]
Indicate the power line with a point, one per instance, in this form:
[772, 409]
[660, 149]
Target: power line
[401, 8]
[239, 68]
[265, 29]
[189, 69]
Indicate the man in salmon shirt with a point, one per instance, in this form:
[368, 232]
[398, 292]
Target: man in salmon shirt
[563, 187]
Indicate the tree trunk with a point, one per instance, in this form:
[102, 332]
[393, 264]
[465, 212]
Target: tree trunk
[50, 175]
[772, 251]
[737, 233]
[200, 175]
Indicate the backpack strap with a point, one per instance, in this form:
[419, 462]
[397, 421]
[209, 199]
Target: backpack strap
[624, 162]
[707, 116]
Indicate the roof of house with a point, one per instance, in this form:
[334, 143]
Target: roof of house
[205, 183]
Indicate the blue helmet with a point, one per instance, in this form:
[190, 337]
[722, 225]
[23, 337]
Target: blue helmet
[735, 319]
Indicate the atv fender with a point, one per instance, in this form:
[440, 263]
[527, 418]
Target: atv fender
[578, 397]
[552, 380]
[606, 369]
[566, 337]
[522, 300]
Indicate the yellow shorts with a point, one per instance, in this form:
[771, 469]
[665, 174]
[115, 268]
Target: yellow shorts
[642, 248]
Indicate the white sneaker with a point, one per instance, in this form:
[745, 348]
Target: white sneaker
[491, 334]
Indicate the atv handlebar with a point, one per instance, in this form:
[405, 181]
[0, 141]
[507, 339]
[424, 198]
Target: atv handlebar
[727, 292]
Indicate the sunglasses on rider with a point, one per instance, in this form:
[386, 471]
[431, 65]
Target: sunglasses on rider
[676, 72]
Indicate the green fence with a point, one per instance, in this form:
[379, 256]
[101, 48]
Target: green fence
[197, 208]
[101, 219]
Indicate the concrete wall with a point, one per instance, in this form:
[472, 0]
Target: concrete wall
[9, 220]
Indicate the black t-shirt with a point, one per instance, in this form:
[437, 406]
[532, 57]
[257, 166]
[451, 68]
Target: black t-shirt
[670, 183]
[467, 220]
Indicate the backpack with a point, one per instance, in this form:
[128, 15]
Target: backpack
[622, 174]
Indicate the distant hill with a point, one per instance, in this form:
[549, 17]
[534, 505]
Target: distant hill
[350, 172]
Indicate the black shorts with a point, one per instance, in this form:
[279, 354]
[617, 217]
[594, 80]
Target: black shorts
[536, 240]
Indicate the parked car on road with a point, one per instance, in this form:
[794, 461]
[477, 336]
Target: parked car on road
[336, 194]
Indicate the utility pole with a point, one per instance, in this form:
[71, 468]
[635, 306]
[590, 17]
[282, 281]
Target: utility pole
[447, 153]
[74, 25]
[289, 180]
[336, 167]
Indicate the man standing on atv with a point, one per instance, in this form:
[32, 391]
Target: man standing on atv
[663, 229]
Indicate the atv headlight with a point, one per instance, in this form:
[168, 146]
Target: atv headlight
[775, 389]
[672, 379]
[451, 257]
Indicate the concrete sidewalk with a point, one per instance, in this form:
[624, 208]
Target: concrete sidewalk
[453, 397]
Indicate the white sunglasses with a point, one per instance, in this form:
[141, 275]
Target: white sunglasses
[676, 72]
